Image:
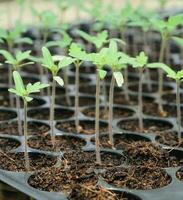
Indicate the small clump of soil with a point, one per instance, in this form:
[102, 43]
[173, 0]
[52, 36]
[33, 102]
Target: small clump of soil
[43, 113]
[104, 114]
[83, 101]
[150, 125]
[62, 143]
[7, 115]
[7, 144]
[85, 127]
[137, 177]
[60, 179]
[119, 140]
[169, 139]
[150, 155]
[133, 99]
[179, 174]
[34, 128]
[91, 192]
[16, 161]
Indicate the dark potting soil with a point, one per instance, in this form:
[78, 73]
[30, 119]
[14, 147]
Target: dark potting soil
[171, 98]
[34, 128]
[62, 143]
[147, 154]
[150, 125]
[16, 161]
[91, 192]
[5, 102]
[145, 88]
[7, 115]
[44, 113]
[80, 158]
[7, 144]
[170, 139]
[83, 101]
[119, 140]
[61, 179]
[133, 99]
[118, 112]
[137, 177]
[85, 127]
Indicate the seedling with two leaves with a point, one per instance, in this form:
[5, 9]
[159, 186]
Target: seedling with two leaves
[24, 92]
[54, 64]
[16, 63]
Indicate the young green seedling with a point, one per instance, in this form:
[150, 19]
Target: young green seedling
[140, 62]
[178, 77]
[166, 29]
[116, 61]
[79, 56]
[49, 62]
[63, 45]
[99, 60]
[24, 92]
[16, 63]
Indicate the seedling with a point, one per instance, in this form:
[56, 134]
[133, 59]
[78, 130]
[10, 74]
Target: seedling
[79, 56]
[17, 63]
[140, 62]
[98, 59]
[166, 29]
[116, 61]
[24, 92]
[63, 44]
[49, 62]
[178, 77]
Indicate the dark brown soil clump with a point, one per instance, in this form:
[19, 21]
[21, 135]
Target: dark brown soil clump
[7, 144]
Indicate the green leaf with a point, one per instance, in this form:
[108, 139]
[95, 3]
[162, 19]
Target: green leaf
[178, 40]
[164, 67]
[20, 56]
[59, 80]
[19, 83]
[8, 56]
[36, 87]
[119, 78]
[47, 58]
[23, 40]
[102, 73]
[65, 61]
[28, 99]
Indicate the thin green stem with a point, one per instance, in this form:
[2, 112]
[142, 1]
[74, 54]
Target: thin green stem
[52, 112]
[178, 110]
[97, 133]
[160, 82]
[19, 115]
[140, 106]
[110, 117]
[27, 164]
[77, 97]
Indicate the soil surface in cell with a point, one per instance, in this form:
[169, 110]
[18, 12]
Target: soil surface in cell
[34, 128]
[83, 101]
[43, 113]
[62, 143]
[7, 144]
[137, 177]
[16, 161]
[119, 140]
[142, 153]
[133, 99]
[150, 126]
[85, 127]
[7, 115]
[170, 139]
[118, 112]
